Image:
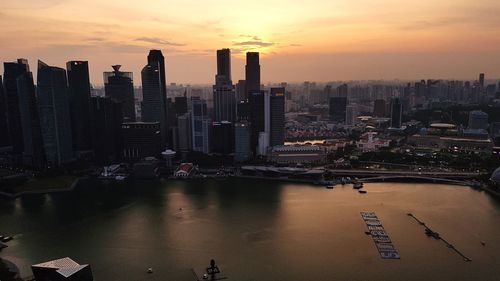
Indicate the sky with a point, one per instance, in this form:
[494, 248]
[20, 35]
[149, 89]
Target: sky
[299, 40]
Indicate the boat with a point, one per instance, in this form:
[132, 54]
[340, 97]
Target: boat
[362, 191]
[357, 185]
[329, 187]
[7, 238]
[150, 270]
[432, 234]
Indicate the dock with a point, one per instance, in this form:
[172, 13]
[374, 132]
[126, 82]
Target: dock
[431, 233]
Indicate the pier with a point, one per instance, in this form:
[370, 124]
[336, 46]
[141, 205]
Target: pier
[431, 233]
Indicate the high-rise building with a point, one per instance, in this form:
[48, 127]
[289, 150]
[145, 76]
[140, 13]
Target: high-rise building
[106, 121]
[241, 91]
[252, 74]
[257, 118]
[118, 85]
[4, 127]
[396, 113]
[12, 70]
[79, 102]
[181, 105]
[342, 90]
[200, 124]
[481, 80]
[33, 154]
[337, 109]
[184, 132]
[242, 151]
[277, 117]
[154, 91]
[222, 140]
[350, 115]
[478, 120]
[379, 108]
[140, 140]
[224, 95]
[55, 120]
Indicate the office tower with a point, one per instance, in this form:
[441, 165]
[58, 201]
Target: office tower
[12, 70]
[184, 132]
[140, 140]
[252, 74]
[33, 154]
[154, 92]
[79, 102]
[106, 121]
[350, 116]
[277, 117]
[478, 120]
[224, 96]
[4, 127]
[241, 91]
[396, 113]
[55, 120]
[181, 105]
[243, 110]
[257, 118]
[337, 109]
[118, 85]
[379, 108]
[481, 80]
[242, 151]
[222, 140]
[200, 123]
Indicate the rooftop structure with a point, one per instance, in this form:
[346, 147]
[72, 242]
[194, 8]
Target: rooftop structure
[62, 269]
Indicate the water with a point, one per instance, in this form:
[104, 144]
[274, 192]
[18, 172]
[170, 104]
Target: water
[258, 231]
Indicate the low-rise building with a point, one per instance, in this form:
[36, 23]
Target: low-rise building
[370, 142]
[295, 154]
[62, 270]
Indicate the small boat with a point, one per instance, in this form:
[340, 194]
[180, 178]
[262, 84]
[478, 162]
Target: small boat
[368, 233]
[483, 243]
[7, 238]
[357, 185]
[329, 187]
[150, 270]
[362, 191]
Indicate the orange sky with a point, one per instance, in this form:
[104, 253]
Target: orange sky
[317, 40]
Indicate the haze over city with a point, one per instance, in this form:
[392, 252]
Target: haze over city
[298, 40]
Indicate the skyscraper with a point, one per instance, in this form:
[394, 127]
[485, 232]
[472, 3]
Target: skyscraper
[338, 109]
[12, 70]
[4, 127]
[242, 150]
[379, 108]
[481, 80]
[154, 92]
[277, 117]
[200, 124]
[257, 117]
[52, 92]
[33, 154]
[252, 73]
[222, 140]
[106, 121]
[396, 113]
[224, 95]
[241, 91]
[79, 102]
[118, 85]
[184, 132]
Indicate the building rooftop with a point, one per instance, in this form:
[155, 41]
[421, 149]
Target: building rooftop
[59, 263]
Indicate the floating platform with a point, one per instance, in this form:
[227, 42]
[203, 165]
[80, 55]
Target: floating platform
[382, 241]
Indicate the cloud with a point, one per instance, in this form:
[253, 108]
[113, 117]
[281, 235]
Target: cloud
[254, 43]
[156, 40]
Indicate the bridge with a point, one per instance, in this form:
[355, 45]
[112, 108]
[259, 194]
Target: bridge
[416, 178]
[405, 174]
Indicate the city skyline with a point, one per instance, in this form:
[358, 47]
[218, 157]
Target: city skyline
[323, 41]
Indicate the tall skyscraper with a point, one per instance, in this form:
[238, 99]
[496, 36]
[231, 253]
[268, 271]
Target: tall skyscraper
[277, 117]
[338, 109]
[379, 108]
[12, 70]
[106, 121]
[241, 91]
[224, 95]
[252, 73]
[200, 124]
[118, 85]
[154, 92]
[33, 154]
[481, 80]
[79, 102]
[222, 140]
[257, 100]
[52, 92]
[181, 105]
[4, 127]
[184, 132]
[242, 151]
[396, 113]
